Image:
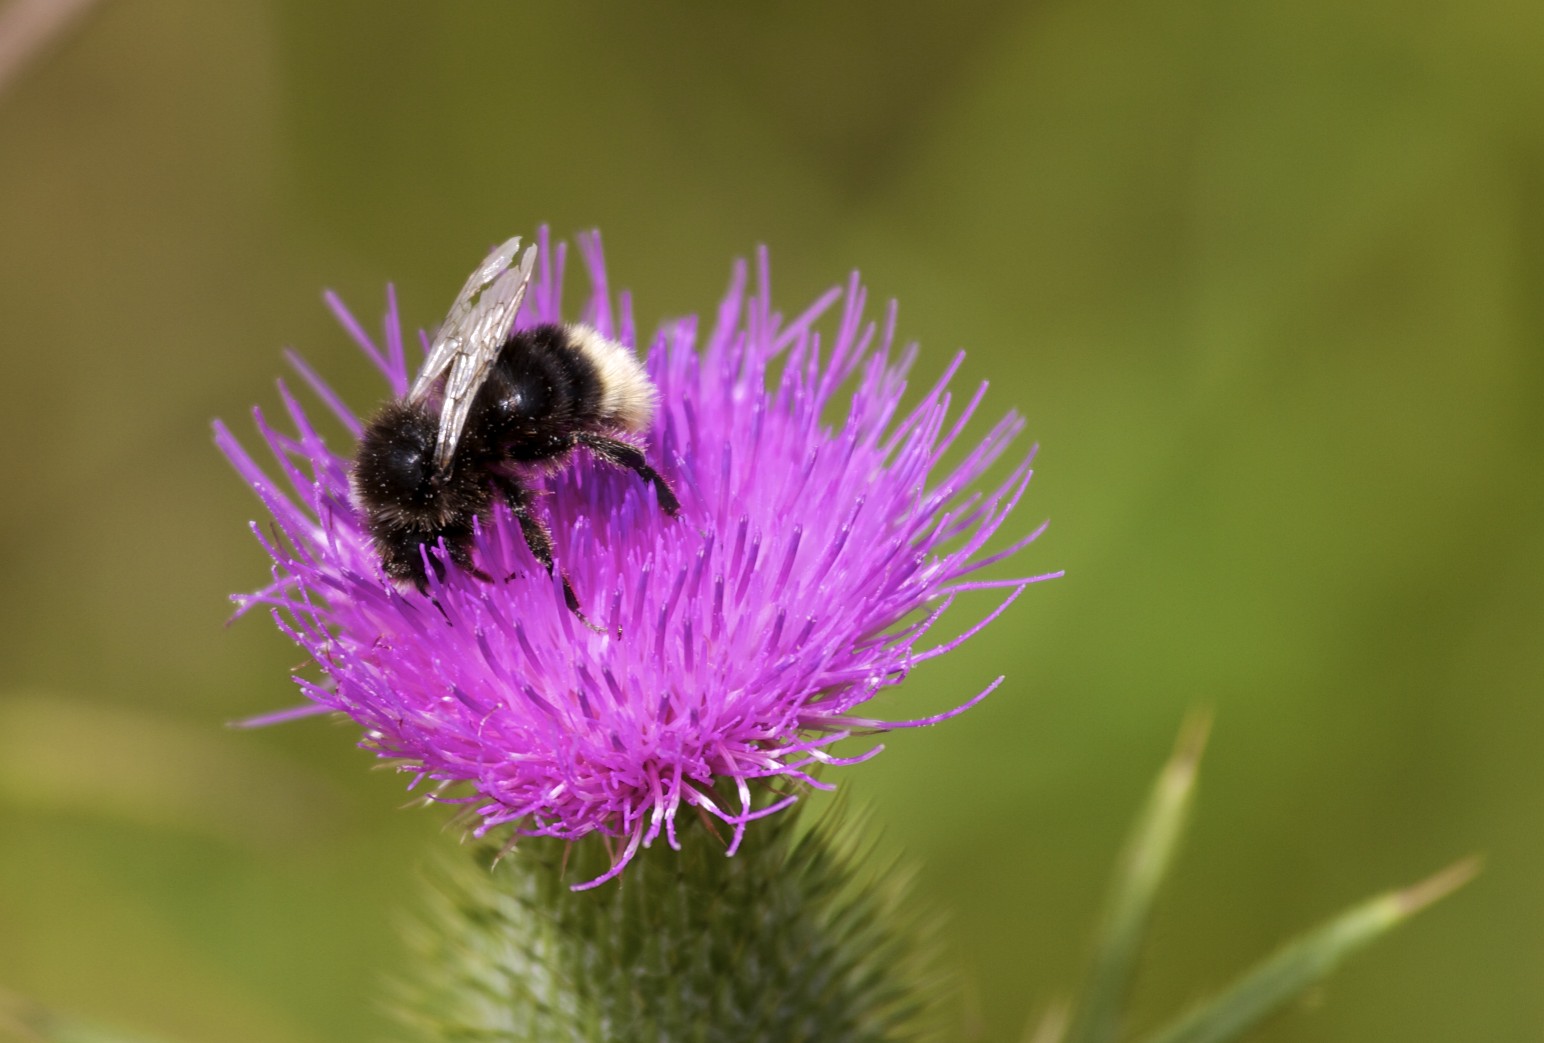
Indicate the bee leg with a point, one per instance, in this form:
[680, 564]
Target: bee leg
[539, 539]
[460, 551]
[423, 551]
[615, 451]
[418, 574]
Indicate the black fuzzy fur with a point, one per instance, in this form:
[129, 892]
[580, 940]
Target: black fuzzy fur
[540, 400]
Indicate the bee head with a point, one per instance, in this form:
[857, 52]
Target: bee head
[394, 472]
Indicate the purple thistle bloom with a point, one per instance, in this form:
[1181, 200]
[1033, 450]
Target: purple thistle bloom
[819, 540]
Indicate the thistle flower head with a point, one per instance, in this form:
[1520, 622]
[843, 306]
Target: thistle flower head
[820, 538]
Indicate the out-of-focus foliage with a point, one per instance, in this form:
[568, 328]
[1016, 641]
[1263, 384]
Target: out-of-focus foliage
[1098, 1012]
[1268, 282]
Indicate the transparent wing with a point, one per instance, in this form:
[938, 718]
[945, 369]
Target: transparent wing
[448, 341]
[469, 340]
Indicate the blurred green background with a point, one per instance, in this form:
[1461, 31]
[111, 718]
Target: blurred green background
[1267, 280]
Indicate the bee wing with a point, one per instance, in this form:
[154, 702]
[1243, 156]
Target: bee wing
[469, 340]
[448, 341]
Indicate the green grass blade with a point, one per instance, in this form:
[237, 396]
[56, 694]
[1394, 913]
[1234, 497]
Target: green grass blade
[1143, 866]
[1306, 960]
[1052, 1026]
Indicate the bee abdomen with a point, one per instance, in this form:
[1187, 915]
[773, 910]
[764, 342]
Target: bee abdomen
[622, 395]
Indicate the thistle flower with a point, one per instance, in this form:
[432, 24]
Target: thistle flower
[820, 539]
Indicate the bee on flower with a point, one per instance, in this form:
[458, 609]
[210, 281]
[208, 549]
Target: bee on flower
[583, 592]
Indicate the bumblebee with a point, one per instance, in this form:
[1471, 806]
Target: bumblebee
[491, 407]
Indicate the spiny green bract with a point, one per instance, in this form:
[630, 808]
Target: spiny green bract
[781, 943]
